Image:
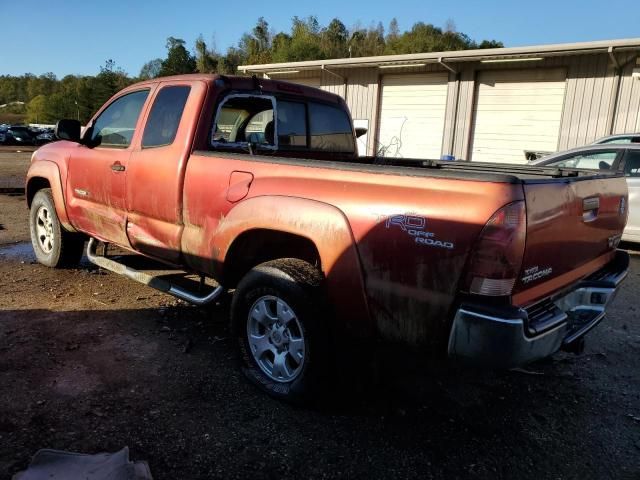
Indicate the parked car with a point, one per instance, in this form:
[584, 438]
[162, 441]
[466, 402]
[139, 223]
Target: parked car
[18, 135]
[3, 133]
[619, 138]
[623, 158]
[622, 138]
[257, 185]
[44, 135]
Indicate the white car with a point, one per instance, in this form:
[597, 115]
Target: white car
[621, 157]
[619, 138]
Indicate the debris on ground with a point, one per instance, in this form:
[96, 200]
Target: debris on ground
[51, 464]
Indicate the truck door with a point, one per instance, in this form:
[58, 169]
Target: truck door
[97, 170]
[155, 174]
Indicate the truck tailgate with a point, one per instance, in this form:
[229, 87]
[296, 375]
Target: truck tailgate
[573, 227]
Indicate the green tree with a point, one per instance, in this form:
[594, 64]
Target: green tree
[256, 46]
[151, 69]
[58, 106]
[491, 44]
[305, 40]
[280, 46]
[206, 60]
[334, 40]
[36, 110]
[367, 42]
[110, 80]
[229, 63]
[42, 85]
[178, 60]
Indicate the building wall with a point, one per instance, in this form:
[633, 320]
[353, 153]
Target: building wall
[628, 111]
[590, 108]
[363, 97]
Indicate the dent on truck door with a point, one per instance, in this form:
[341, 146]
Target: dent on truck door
[97, 173]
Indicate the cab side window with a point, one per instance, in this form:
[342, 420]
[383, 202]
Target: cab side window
[115, 126]
[632, 164]
[164, 118]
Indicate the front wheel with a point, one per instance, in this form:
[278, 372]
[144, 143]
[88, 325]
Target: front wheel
[281, 332]
[53, 245]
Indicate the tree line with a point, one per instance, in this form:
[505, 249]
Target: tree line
[45, 98]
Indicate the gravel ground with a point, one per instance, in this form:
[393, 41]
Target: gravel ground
[13, 166]
[91, 362]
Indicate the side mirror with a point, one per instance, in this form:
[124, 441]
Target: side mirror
[68, 130]
[360, 131]
[86, 136]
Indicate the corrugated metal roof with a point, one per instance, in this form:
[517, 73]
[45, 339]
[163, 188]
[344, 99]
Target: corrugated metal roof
[456, 56]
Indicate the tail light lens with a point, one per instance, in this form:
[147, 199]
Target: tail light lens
[497, 259]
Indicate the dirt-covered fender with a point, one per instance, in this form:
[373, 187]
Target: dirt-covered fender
[40, 173]
[324, 225]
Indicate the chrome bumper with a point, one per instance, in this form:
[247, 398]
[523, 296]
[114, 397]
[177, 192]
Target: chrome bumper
[509, 337]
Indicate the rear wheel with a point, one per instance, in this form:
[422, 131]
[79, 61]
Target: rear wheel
[281, 332]
[53, 245]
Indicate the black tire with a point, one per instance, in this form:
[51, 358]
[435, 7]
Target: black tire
[300, 286]
[60, 248]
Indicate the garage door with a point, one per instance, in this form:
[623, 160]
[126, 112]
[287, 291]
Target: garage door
[412, 115]
[517, 111]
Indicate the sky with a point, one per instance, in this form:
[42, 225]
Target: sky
[77, 37]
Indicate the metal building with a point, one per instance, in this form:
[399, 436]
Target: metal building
[482, 105]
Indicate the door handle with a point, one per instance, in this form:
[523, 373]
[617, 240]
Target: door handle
[117, 167]
[590, 207]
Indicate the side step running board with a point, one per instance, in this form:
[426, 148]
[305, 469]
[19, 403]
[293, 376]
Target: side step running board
[147, 279]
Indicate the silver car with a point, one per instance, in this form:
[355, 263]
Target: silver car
[619, 138]
[621, 157]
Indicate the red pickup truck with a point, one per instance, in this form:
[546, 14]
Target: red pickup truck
[257, 184]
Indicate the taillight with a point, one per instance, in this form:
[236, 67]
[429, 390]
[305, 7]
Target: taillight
[497, 258]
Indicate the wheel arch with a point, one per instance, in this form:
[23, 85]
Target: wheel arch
[260, 245]
[45, 174]
[318, 232]
[33, 186]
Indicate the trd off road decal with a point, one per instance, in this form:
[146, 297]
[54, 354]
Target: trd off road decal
[415, 226]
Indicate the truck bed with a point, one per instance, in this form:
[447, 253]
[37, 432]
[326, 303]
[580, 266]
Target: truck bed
[480, 171]
[574, 217]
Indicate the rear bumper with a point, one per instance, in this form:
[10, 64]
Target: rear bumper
[507, 337]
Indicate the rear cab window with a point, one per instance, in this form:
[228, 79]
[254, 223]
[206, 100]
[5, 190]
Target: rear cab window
[270, 123]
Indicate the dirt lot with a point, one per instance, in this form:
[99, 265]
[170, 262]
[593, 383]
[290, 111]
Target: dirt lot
[92, 362]
[14, 162]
